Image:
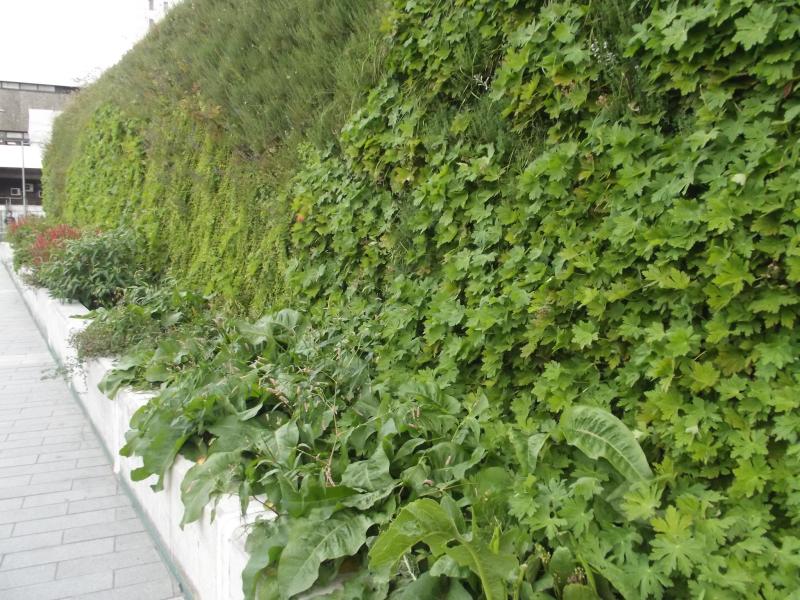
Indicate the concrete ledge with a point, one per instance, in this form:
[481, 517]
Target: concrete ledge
[210, 555]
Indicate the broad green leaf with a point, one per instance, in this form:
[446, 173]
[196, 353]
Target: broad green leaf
[492, 569]
[422, 520]
[562, 563]
[316, 497]
[369, 475]
[114, 380]
[157, 437]
[426, 521]
[311, 542]
[280, 446]
[599, 434]
[250, 412]
[368, 499]
[577, 591]
[535, 445]
[264, 545]
[215, 474]
[156, 372]
[424, 587]
[284, 323]
[447, 566]
[457, 592]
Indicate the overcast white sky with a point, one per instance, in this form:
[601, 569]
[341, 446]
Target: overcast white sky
[65, 41]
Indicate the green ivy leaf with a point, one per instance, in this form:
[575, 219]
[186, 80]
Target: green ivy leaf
[752, 29]
[676, 546]
[705, 375]
[584, 334]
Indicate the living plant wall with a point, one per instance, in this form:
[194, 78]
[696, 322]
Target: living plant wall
[192, 136]
[554, 251]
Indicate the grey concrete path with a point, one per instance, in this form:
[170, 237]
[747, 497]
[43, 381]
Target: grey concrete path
[67, 529]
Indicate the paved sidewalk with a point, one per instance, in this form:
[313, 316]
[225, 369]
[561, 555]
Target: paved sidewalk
[67, 529]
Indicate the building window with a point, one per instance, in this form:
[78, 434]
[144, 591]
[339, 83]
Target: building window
[46, 88]
[30, 87]
[10, 85]
[15, 192]
[28, 187]
[150, 2]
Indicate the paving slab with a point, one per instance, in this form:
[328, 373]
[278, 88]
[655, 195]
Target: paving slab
[67, 528]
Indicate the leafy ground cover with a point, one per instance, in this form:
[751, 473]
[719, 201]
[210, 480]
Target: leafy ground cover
[530, 317]
[144, 315]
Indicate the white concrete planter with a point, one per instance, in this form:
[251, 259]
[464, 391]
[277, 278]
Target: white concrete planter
[210, 555]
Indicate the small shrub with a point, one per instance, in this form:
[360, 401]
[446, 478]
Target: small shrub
[50, 242]
[22, 235]
[94, 269]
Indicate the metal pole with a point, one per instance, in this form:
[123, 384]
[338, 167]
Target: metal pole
[24, 195]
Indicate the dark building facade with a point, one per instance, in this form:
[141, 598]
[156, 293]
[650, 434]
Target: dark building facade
[11, 186]
[26, 114]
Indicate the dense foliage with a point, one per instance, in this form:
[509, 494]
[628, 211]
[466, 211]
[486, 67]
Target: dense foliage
[50, 242]
[531, 333]
[91, 267]
[190, 138]
[144, 315]
[95, 268]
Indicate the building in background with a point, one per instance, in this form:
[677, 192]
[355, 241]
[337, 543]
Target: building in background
[27, 111]
[156, 9]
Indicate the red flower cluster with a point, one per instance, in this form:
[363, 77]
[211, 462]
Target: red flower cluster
[51, 241]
